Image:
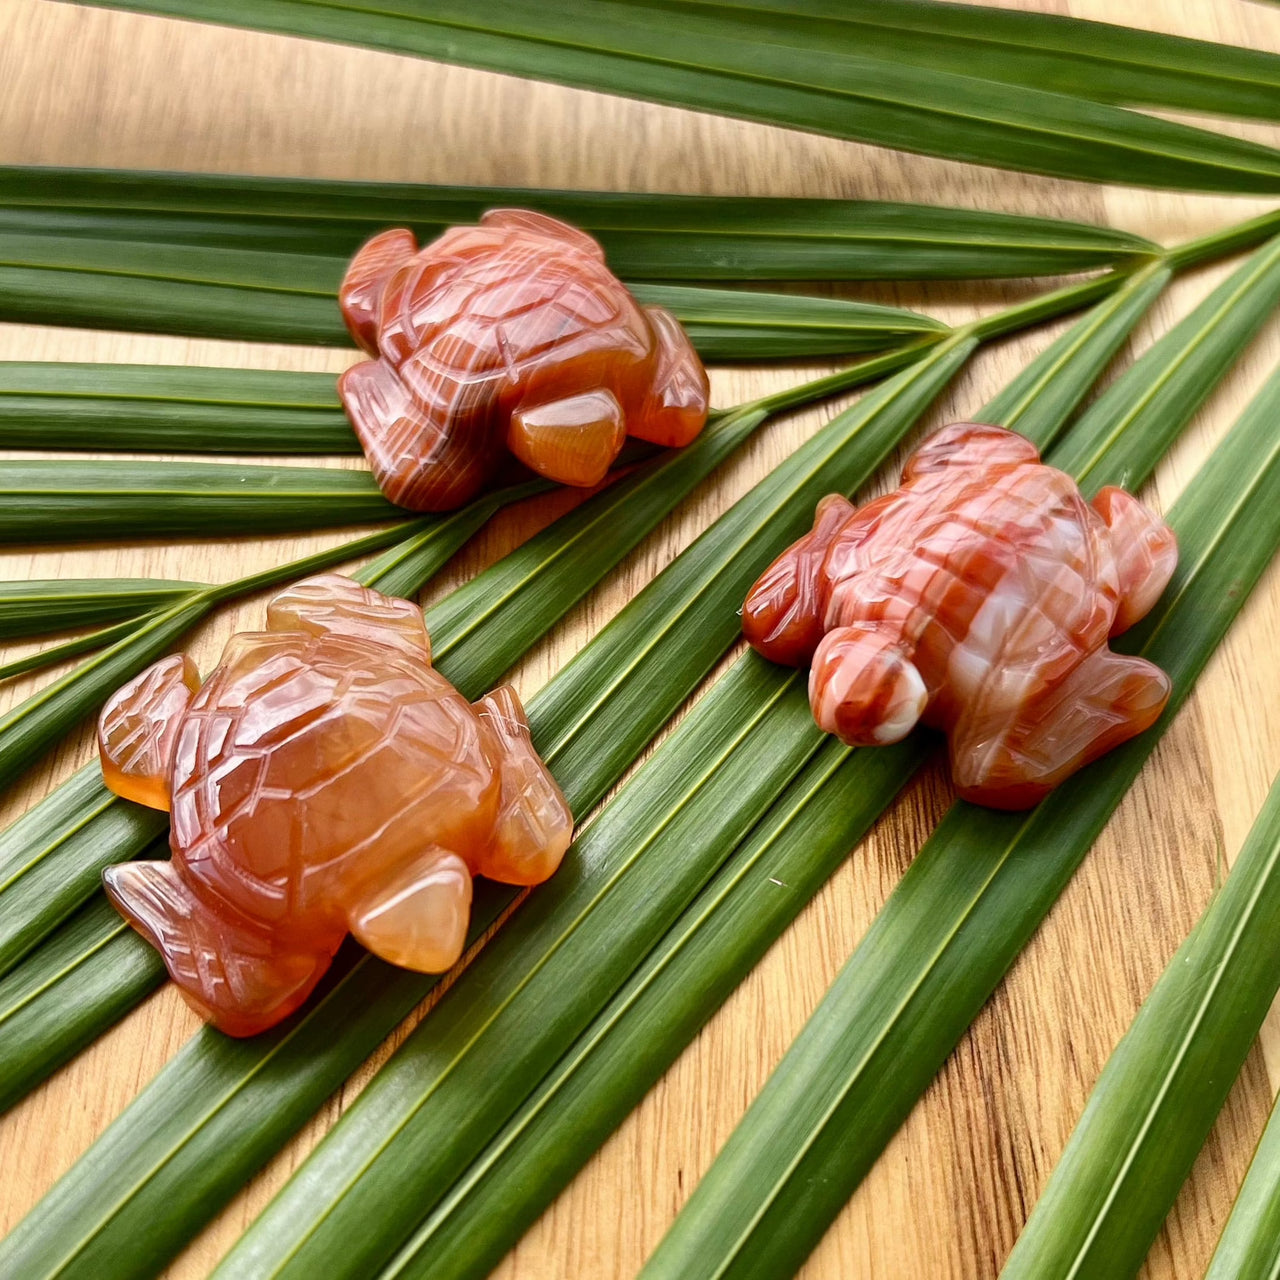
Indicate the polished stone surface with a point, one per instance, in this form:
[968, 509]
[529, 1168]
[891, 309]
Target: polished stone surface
[324, 779]
[508, 336]
[978, 597]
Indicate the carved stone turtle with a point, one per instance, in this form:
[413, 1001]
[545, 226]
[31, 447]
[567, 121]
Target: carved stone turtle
[977, 597]
[513, 334]
[323, 779]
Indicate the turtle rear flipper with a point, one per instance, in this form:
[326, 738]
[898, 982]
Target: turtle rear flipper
[360, 297]
[1145, 550]
[138, 729]
[233, 974]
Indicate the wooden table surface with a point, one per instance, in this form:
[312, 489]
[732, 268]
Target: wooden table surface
[83, 87]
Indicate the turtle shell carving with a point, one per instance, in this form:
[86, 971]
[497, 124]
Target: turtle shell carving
[324, 779]
[508, 336]
[978, 597]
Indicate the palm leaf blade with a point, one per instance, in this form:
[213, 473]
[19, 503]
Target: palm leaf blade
[91, 642]
[172, 409]
[1040, 400]
[109, 500]
[62, 866]
[1163, 1086]
[1191, 358]
[799, 842]
[646, 236]
[52, 1011]
[960, 915]
[1250, 1244]
[38, 606]
[359, 1011]
[743, 325]
[643, 50]
[48, 865]
[292, 297]
[1101, 61]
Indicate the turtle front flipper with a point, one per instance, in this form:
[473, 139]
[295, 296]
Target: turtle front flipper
[675, 410]
[1013, 762]
[232, 973]
[138, 729]
[782, 616]
[430, 433]
[534, 825]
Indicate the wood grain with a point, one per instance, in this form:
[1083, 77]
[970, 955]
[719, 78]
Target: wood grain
[78, 86]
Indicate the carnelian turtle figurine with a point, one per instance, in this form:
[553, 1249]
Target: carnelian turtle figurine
[324, 779]
[978, 597]
[512, 335]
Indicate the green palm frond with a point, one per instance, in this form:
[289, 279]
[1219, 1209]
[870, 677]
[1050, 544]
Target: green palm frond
[1250, 1244]
[170, 409]
[646, 236]
[38, 606]
[984, 880]
[1161, 1090]
[590, 722]
[747, 64]
[685, 876]
[264, 296]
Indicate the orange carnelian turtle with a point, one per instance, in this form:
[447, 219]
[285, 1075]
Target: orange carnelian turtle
[977, 597]
[510, 335]
[324, 779]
